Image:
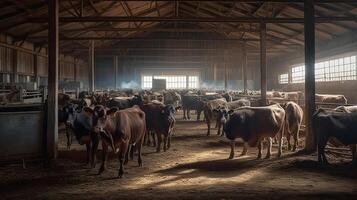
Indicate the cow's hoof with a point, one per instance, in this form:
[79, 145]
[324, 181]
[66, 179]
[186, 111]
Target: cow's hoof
[231, 156]
[101, 170]
[126, 162]
[157, 150]
[243, 154]
[259, 157]
[279, 155]
[267, 157]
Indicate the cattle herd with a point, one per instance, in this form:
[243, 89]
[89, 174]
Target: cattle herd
[124, 121]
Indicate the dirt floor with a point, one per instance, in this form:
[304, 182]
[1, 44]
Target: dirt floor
[196, 167]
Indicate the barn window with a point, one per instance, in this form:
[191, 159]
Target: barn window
[193, 82]
[146, 82]
[4, 78]
[340, 69]
[298, 74]
[283, 78]
[173, 82]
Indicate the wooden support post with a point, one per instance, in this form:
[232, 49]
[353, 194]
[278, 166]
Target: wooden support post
[244, 68]
[35, 70]
[225, 70]
[309, 27]
[115, 65]
[75, 69]
[263, 64]
[52, 100]
[91, 64]
[14, 78]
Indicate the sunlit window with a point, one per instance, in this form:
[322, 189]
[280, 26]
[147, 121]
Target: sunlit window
[193, 82]
[340, 69]
[173, 82]
[298, 74]
[283, 78]
[146, 82]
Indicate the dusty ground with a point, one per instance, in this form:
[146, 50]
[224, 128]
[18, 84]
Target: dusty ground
[196, 167]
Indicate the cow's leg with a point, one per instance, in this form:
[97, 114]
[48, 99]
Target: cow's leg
[152, 133]
[218, 125]
[126, 158]
[69, 138]
[122, 151]
[208, 122]
[280, 140]
[245, 149]
[188, 113]
[139, 147]
[95, 142]
[184, 113]
[165, 142]
[132, 150]
[260, 148]
[322, 141]
[296, 138]
[169, 142]
[159, 140]
[89, 150]
[198, 115]
[104, 157]
[270, 144]
[288, 137]
[231, 155]
[147, 141]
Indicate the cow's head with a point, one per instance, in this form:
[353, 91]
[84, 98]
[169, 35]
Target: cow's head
[71, 110]
[137, 100]
[222, 114]
[101, 127]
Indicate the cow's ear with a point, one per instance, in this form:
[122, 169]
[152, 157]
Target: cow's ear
[177, 108]
[89, 110]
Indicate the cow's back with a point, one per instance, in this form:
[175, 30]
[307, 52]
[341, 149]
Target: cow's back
[131, 123]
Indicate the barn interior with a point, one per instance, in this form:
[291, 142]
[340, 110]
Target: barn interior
[260, 50]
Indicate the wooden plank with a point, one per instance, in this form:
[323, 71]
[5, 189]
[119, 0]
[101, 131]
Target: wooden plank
[263, 64]
[52, 100]
[244, 68]
[91, 61]
[309, 27]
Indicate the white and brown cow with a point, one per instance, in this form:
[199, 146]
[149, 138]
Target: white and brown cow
[293, 116]
[253, 124]
[330, 98]
[208, 110]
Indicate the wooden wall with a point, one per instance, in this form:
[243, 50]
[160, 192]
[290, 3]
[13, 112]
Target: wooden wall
[70, 68]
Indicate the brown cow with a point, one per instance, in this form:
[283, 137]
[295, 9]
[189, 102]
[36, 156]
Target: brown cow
[119, 130]
[160, 120]
[293, 116]
[253, 124]
[328, 98]
[208, 110]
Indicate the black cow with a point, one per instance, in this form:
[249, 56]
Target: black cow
[191, 102]
[327, 124]
[64, 115]
[123, 103]
[82, 124]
